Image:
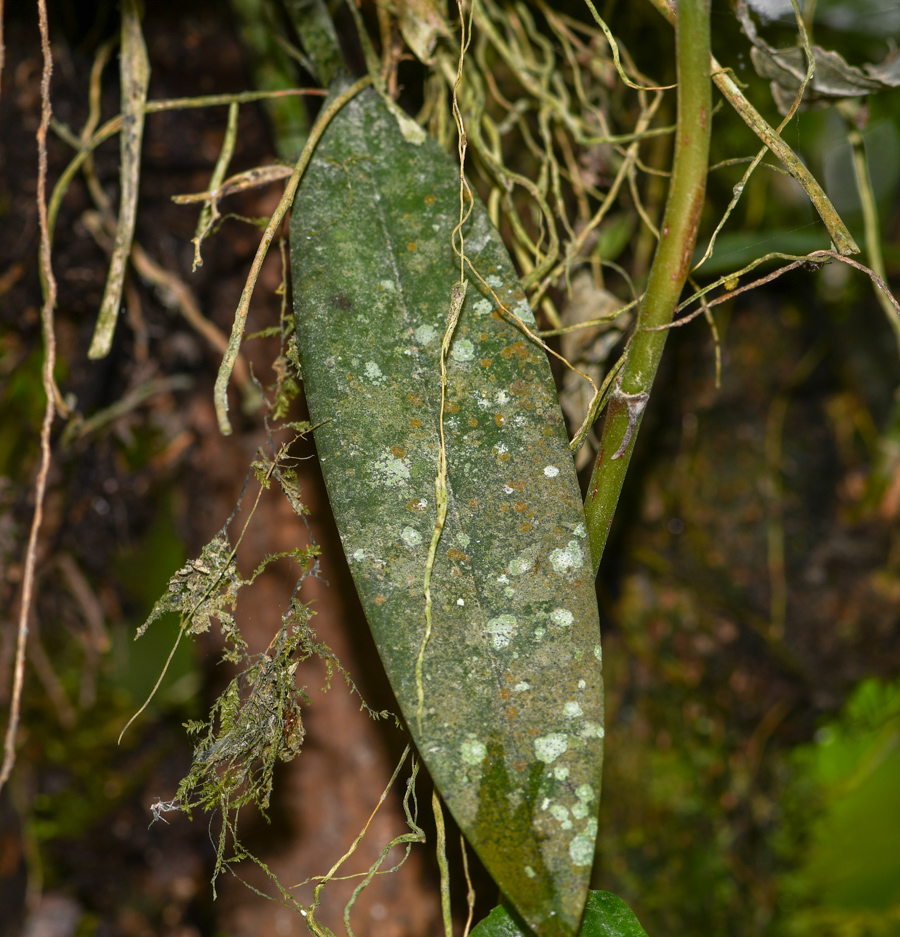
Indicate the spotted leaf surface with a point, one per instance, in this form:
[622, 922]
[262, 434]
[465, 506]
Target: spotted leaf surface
[512, 727]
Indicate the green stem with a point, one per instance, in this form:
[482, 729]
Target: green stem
[667, 274]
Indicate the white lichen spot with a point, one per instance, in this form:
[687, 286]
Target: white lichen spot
[591, 730]
[585, 792]
[559, 812]
[581, 849]
[562, 617]
[598, 653]
[391, 470]
[522, 686]
[494, 280]
[484, 403]
[460, 601]
[548, 748]
[523, 562]
[373, 372]
[529, 871]
[463, 350]
[572, 710]
[551, 471]
[545, 804]
[502, 397]
[499, 449]
[539, 634]
[410, 536]
[387, 285]
[472, 751]
[425, 334]
[580, 531]
[502, 578]
[359, 555]
[560, 772]
[462, 539]
[502, 630]
[582, 685]
[483, 307]
[572, 558]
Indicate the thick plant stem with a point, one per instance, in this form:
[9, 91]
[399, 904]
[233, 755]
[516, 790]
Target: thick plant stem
[667, 274]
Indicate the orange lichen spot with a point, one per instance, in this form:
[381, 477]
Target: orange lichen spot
[473, 503]
[483, 337]
[472, 421]
[520, 765]
[517, 349]
[412, 246]
[504, 457]
[547, 431]
[504, 508]
[455, 572]
[496, 315]
[504, 693]
[398, 451]
[518, 486]
[430, 200]
[414, 399]
[416, 424]
[499, 419]
[487, 362]
[453, 408]
[518, 387]
[525, 527]
[511, 712]
[457, 555]
[379, 600]
[520, 506]
[534, 731]
[528, 405]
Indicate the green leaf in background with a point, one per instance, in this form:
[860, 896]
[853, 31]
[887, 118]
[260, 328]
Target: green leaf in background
[512, 725]
[605, 915]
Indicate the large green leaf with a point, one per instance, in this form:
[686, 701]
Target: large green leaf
[605, 915]
[512, 724]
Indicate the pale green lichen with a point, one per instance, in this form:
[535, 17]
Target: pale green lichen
[548, 748]
[551, 471]
[581, 849]
[472, 751]
[463, 350]
[562, 617]
[502, 629]
[373, 372]
[425, 334]
[591, 730]
[564, 561]
[585, 792]
[560, 772]
[523, 562]
[572, 710]
[411, 537]
[393, 471]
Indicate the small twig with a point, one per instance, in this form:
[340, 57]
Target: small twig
[240, 319]
[40, 488]
[135, 81]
